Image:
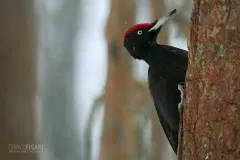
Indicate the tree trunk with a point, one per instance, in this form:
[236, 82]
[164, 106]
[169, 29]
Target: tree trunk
[59, 125]
[158, 10]
[211, 128]
[17, 78]
[159, 143]
[119, 138]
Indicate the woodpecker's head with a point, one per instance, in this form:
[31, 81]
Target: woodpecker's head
[137, 39]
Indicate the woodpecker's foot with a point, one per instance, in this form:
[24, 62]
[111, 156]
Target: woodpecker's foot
[181, 89]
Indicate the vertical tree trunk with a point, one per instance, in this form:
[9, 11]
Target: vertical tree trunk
[158, 10]
[182, 18]
[119, 138]
[17, 77]
[211, 128]
[60, 130]
[159, 142]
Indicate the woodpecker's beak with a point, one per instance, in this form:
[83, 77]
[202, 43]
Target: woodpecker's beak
[157, 25]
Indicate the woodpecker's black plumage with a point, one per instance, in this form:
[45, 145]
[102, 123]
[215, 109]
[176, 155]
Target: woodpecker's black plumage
[167, 69]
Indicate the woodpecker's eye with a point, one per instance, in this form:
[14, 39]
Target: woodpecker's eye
[139, 32]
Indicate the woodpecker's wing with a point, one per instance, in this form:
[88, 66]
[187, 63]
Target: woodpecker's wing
[171, 135]
[167, 68]
[166, 97]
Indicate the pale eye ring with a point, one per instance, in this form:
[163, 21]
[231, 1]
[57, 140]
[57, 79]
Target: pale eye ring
[139, 32]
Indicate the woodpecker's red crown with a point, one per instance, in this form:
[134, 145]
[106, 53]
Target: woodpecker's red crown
[135, 27]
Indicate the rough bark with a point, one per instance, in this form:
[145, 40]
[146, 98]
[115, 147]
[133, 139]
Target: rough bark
[17, 77]
[211, 128]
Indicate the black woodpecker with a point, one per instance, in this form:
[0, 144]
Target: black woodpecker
[166, 73]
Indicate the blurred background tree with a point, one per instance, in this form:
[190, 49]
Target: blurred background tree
[58, 120]
[159, 143]
[18, 77]
[124, 110]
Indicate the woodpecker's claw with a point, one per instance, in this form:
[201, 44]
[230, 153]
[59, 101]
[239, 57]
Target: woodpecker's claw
[181, 89]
